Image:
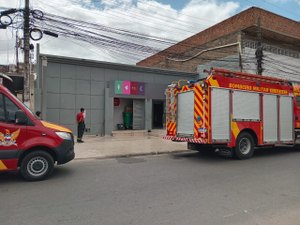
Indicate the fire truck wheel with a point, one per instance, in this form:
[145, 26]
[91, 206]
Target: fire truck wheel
[244, 147]
[36, 166]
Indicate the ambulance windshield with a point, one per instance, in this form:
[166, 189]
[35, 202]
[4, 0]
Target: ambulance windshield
[26, 107]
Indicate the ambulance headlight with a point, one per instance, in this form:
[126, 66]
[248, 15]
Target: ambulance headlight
[64, 135]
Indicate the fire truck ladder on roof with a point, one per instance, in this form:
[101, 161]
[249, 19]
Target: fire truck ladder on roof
[248, 76]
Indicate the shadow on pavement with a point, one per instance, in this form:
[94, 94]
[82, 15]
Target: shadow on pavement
[59, 172]
[224, 156]
[276, 151]
[62, 172]
[10, 177]
[207, 156]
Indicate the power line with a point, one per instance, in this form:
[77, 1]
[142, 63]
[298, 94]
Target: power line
[130, 17]
[259, 50]
[148, 3]
[274, 5]
[135, 45]
[135, 14]
[83, 26]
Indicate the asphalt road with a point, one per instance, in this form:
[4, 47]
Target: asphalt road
[175, 189]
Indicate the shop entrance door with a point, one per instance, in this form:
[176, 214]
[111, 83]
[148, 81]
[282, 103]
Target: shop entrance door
[138, 122]
[158, 114]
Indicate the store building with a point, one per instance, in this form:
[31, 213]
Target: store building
[115, 96]
[232, 44]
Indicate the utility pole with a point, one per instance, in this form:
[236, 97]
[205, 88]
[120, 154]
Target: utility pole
[26, 94]
[17, 52]
[259, 49]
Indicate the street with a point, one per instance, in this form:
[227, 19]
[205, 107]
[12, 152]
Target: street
[177, 189]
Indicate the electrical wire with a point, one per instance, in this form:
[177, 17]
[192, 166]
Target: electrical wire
[124, 17]
[274, 5]
[87, 35]
[165, 15]
[130, 44]
[148, 47]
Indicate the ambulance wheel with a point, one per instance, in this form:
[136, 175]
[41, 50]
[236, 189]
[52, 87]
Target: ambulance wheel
[244, 147]
[37, 165]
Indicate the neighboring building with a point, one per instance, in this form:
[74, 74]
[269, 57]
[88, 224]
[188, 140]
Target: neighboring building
[13, 69]
[105, 90]
[16, 73]
[17, 86]
[232, 44]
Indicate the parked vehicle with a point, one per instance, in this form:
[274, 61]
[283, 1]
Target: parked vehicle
[28, 143]
[233, 110]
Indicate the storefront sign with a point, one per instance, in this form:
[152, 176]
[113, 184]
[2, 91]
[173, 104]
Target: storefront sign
[118, 87]
[141, 90]
[134, 88]
[129, 87]
[126, 87]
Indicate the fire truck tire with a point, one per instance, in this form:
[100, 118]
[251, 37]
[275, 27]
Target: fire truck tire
[36, 166]
[244, 147]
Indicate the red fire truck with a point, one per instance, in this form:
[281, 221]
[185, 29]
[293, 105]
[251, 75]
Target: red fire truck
[28, 143]
[233, 110]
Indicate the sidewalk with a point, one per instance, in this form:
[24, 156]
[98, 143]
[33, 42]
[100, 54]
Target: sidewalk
[109, 147]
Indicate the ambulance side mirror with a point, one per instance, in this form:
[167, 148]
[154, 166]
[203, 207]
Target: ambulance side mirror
[21, 118]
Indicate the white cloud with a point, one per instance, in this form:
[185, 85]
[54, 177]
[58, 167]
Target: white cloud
[144, 16]
[209, 12]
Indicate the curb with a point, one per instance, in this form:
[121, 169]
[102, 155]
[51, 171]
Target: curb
[132, 155]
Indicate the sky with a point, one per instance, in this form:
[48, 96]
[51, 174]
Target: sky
[169, 21]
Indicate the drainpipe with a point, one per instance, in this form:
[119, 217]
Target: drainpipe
[206, 50]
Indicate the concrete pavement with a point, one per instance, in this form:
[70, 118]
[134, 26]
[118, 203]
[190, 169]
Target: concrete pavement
[126, 144]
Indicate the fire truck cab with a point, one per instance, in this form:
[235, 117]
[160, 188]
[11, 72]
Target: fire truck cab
[28, 143]
[233, 110]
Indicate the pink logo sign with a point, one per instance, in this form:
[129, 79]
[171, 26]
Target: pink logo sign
[126, 87]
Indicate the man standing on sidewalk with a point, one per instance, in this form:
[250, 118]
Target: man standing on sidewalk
[80, 125]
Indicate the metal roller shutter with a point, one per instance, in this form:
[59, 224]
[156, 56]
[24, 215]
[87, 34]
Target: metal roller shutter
[245, 105]
[185, 113]
[286, 118]
[138, 121]
[220, 114]
[270, 115]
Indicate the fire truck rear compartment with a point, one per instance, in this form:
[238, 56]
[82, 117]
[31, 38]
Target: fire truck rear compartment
[231, 108]
[234, 110]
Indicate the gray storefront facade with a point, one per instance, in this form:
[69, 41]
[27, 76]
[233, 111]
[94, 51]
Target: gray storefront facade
[106, 90]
